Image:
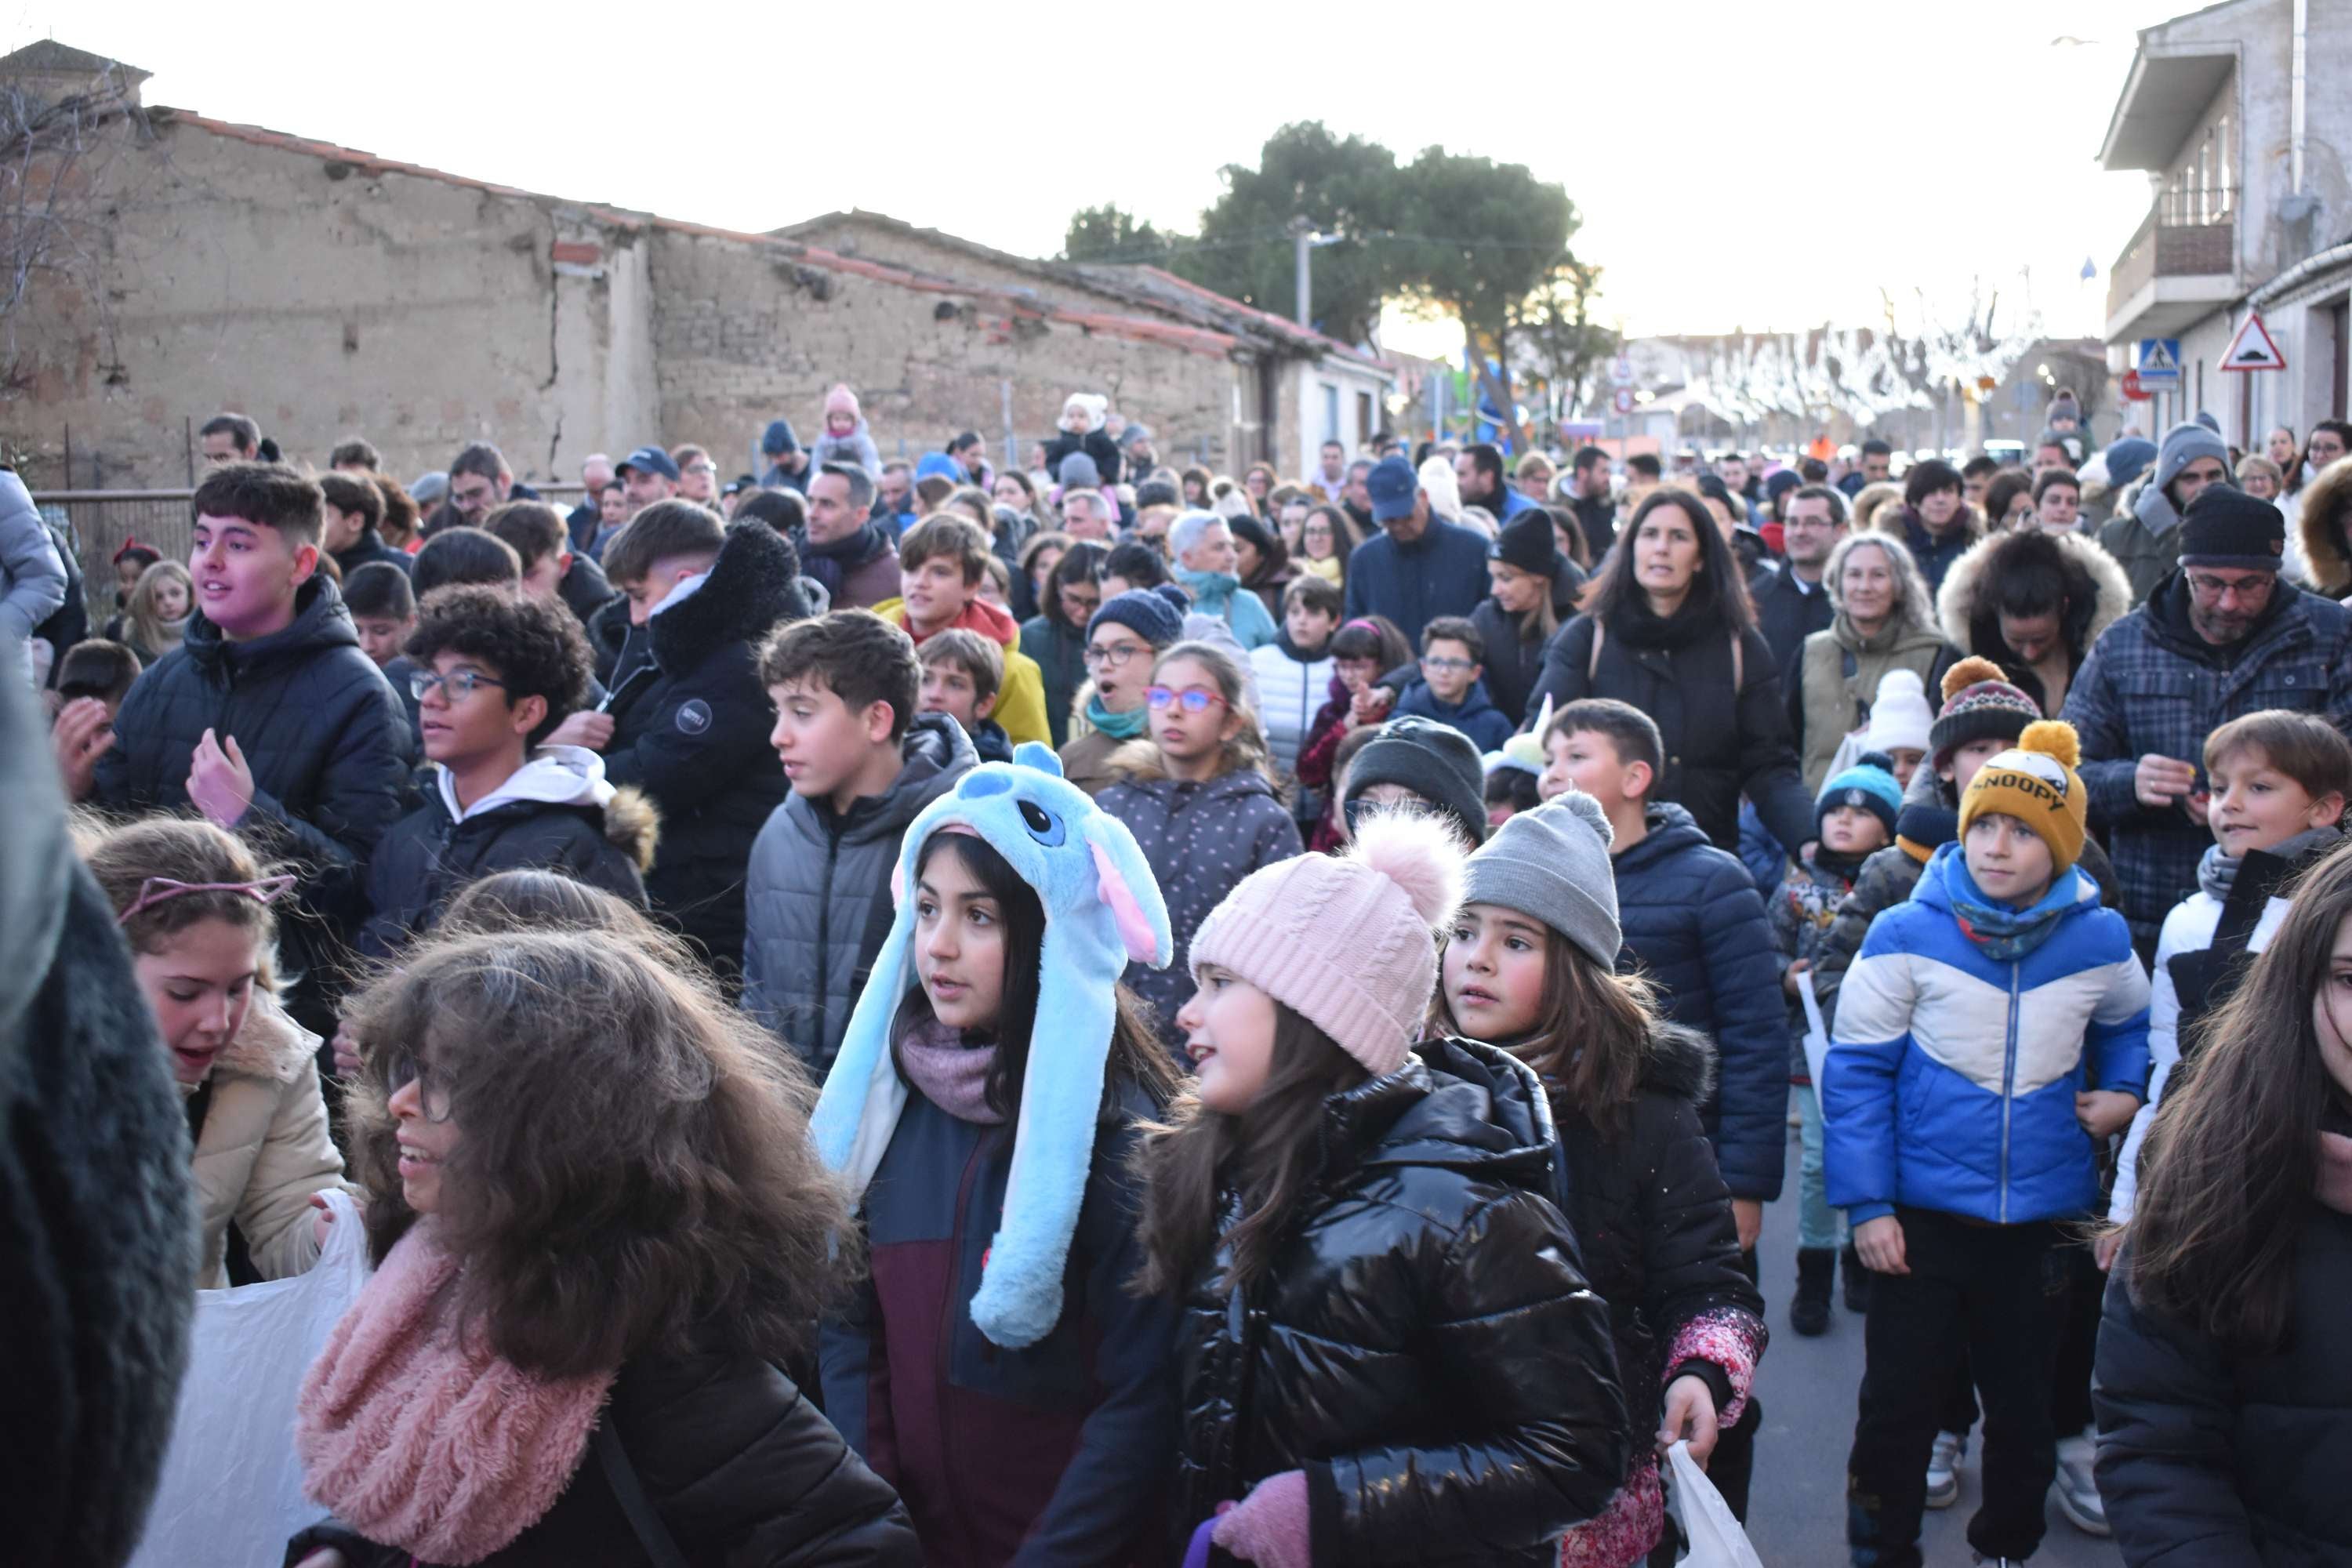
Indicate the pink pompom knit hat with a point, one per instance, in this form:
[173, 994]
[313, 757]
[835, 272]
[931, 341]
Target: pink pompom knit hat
[1346, 940]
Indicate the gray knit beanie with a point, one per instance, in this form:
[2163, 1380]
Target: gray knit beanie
[1553, 863]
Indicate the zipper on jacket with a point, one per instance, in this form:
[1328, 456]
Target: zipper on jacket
[2008, 1086]
[825, 949]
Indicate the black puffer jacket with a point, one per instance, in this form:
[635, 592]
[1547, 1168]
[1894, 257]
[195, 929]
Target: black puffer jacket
[743, 1471]
[430, 854]
[1653, 1219]
[1723, 738]
[327, 741]
[370, 548]
[1422, 1344]
[691, 729]
[2208, 1457]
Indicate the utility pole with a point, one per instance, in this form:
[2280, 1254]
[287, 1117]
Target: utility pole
[1302, 236]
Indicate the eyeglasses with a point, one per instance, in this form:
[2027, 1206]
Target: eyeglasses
[1447, 666]
[1115, 656]
[1192, 698]
[458, 683]
[2248, 589]
[432, 1098]
[702, 467]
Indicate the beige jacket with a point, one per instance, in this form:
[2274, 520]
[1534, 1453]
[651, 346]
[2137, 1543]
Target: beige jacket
[265, 1148]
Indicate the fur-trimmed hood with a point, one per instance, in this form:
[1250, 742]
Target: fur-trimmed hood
[753, 586]
[2324, 512]
[1678, 1062]
[2098, 591]
[633, 826]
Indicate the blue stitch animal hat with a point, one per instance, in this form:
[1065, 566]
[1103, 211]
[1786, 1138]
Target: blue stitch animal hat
[1102, 908]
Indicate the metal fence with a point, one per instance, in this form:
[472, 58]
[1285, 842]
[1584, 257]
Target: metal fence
[103, 521]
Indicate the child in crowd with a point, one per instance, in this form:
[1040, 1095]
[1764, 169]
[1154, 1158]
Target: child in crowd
[1200, 794]
[464, 553]
[2279, 783]
[599, 1230]
[1084, 415]
[996, 584]
[382, 602]
[1993, 1033]
[1529, 962]
[2222, 1387]
[1449, 690]
[131, 563]
[1294, 673]
[550, 571]
[1124, 639]
[941, 562]
[862, 762]
[1695, 929]
[845, 438]
[1422, 764]
[1896, 729]
[1853, 819]
[1068, 591]
[155, 619]
[495, 675]
[986, 1104]
[1362, 650]
[195, 907]
[100, 669]
[686, 724]
[962, 672]
[1357, 1382]
[266, 717]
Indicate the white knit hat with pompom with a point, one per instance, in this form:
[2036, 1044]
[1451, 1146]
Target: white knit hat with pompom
[1346, 941]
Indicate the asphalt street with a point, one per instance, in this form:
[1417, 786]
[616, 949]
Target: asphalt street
[1796, 1510]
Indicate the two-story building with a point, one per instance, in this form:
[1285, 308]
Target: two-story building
[2237, 114]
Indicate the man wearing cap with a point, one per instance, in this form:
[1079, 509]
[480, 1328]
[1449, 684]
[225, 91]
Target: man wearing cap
[2146, 541]
[646, 475]
[788, 465]
[2220, 636]
[1419, 566]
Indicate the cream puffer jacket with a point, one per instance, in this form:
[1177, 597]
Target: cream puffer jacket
[264, 1150]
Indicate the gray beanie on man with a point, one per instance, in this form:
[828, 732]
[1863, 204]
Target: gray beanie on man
[2183, 445]
[1553, 863]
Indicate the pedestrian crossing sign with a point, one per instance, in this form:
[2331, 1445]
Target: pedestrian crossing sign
[2252, 348]
[2158, 363]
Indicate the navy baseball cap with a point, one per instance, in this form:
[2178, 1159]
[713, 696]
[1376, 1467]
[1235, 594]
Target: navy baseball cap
[1393, 486]
[653, 459]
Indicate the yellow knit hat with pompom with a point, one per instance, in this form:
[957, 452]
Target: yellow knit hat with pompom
[2035, 781]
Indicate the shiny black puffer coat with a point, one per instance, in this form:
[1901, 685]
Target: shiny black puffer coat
[1423, 1344]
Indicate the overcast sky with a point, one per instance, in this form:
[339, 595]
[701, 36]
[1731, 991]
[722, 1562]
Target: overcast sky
[1755, 164]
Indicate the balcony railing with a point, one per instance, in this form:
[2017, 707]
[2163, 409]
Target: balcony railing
[2188, 233]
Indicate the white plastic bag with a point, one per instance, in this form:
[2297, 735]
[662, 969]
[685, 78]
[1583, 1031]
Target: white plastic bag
[1817, 1034]
[231, 1492]
[1714, 1538]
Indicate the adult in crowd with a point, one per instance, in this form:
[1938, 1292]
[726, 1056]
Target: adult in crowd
[2034, 602]
[352, 515]
[1420, 566]
[1535, 590]
[1871, 467]
[581, 524]
[1087, 514]
[1935, 521]
[2330, 441]
[788, 467]
[99, 1248]
[2146, 540]
[1203, 543]
[1478, 474]
[2221, 635]
[1324, 545]
[1793, 602]
[853, 557]
[2057, 502]
[1885, 619]
[1055, 637]
[1669, 630]
[2322, 520]
[1261, 562]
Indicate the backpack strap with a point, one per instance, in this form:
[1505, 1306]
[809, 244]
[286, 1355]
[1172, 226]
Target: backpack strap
[660, 1546]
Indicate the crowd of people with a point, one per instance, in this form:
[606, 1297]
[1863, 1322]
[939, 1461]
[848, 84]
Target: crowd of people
[889, 1011]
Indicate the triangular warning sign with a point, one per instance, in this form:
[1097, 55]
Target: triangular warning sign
[2155, 357]
[2252, 348]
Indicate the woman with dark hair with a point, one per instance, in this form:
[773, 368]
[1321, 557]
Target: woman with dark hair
[598, 1221]
[1196, 481]
[1261, 561]
[2034, 602]
[1669, 629]
[2008, 500]
[1324, 538]
[1936, 520]
[1055, 637]
[2224, 1399]
[1040, 553]
[1258, 483]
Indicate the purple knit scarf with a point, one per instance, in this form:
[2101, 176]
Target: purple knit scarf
[950, 1070]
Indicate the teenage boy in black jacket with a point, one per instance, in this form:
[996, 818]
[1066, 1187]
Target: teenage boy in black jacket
[498, 674]
[268, 719]
[687, 722]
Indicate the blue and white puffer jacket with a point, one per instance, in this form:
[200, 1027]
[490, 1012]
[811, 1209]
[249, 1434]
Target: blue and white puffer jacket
[1952, 1077]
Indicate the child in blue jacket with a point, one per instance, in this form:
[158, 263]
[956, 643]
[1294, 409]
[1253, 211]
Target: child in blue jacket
[1993, 1033]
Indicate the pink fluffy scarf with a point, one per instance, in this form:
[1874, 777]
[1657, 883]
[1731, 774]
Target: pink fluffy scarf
[425, 1439]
